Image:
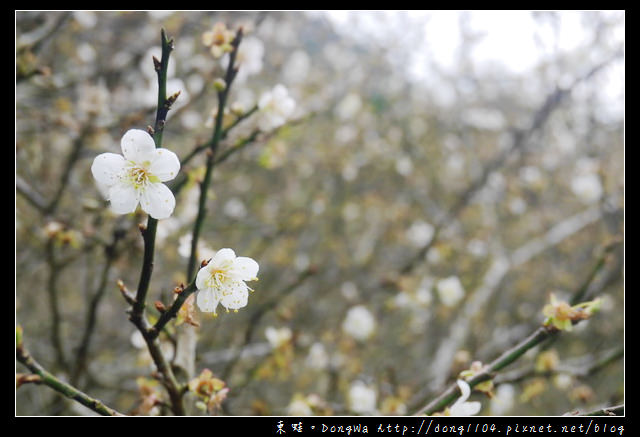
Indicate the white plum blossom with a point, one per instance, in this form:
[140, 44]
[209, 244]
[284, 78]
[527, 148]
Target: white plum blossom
[296, 68]
[235, 208]
[202, 252]
[503, 399]
[450, 290]
[248, 58]
[318, 358]
[419, 233]
[277, 336]
[136, 178]
[299, 407]
[359, 323]
[362, 398]
[276, 106]
[587, 187]
[349, 106]
[222, 281]
[461, 407]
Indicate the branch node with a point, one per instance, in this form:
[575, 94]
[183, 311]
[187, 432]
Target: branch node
[160, 306]
[157, 65]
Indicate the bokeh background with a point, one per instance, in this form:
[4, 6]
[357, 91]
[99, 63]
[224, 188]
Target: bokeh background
[443, 172]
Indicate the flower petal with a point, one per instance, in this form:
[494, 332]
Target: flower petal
[207, 301]
[245, 268]
[235, 295]
[202, 277]
[465, 408]
[106, 169]
[123, 198]
[158, 201]
[223, 256]
[465, 389]
[165, 164]
[137, 146]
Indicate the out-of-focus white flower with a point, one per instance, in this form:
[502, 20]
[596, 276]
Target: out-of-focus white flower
[318, 358]
[359, 323]
[203, 251]
[404, 166]
[299, 407]
[276, 106]
[349, 106]
[296, 68]
[350, 172]
[222, 280]
[587, 187]
[503, 399]
[402, 300]
[137, 176]
[362, 398]
[483, 118]
[531, 175]
[477, 248]
[86, 53]
[94, 99]
[234, 208]
[563, 381]
[248, 58]
[419, 233]
[423, 293]
[517, 205]
[434, 255]
[218, 39]
[166, 228]
[349, 290]
[455, 165]
[450, 291]
[137, 340]
[461, 407]
[86, 19]
[159, 15]
[350, 211]
[277, 336]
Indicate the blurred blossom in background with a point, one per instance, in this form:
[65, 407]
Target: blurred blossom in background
[413, 185]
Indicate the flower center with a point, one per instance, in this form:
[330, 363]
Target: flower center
[218, 277]
[138, 176]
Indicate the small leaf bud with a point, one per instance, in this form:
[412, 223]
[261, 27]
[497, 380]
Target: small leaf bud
[219, 84]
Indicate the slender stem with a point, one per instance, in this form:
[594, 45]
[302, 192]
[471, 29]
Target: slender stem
[83, 349]
[170, 382]
[508, 357]
[605, 252]
[149, 235]
[173, 310]
[225, 132]
[31, 195]
[211, 157]
[161, 69]
[617, 410]
[66, 172]
[23, 356]
[54, 307]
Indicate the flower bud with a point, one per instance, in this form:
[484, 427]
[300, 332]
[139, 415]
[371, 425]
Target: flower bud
[160, 306]
[219, 84]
